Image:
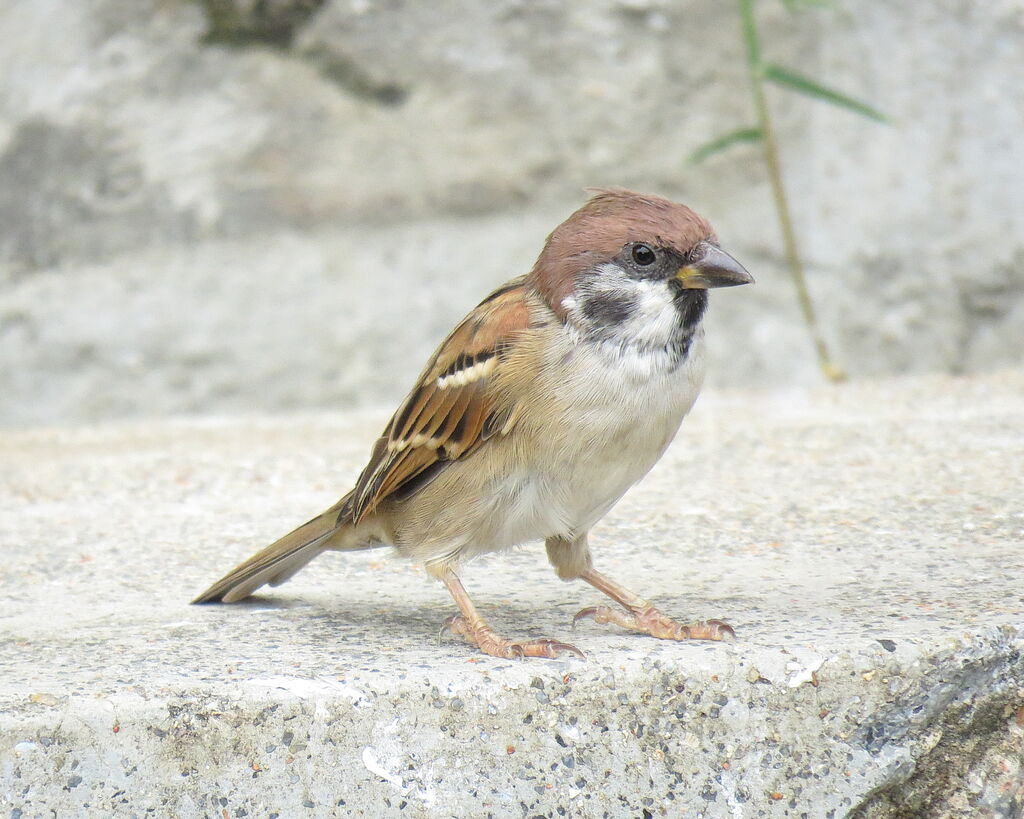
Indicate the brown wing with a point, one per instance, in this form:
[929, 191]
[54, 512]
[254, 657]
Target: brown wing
[454, 406]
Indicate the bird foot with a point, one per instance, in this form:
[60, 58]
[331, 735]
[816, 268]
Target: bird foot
[490, 643]
[649, 620]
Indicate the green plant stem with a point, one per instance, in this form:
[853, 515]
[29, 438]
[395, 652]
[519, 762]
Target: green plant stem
[832, 371]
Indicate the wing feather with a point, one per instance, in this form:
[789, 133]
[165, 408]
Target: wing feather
[448, 414]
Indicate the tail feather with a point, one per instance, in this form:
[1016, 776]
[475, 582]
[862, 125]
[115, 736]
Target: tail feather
[281, 559]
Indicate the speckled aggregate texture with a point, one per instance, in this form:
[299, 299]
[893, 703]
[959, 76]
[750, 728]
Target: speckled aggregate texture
[864, 540]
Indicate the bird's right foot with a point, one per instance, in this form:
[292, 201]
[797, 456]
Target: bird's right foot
[484, 638]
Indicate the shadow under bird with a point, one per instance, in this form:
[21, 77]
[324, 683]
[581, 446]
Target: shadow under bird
[558, 392]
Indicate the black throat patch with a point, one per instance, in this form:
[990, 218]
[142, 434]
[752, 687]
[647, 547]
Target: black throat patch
[691, 305]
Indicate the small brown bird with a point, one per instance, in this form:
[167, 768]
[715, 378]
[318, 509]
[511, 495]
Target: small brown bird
[557, 393]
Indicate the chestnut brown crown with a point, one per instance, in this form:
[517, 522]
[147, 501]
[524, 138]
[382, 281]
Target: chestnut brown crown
[596, 232]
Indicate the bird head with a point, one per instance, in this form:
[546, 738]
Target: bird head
[633, 267]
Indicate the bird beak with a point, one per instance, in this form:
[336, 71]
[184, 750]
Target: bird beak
[712, 267]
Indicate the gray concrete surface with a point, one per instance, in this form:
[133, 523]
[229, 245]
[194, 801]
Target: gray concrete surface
[865, 541]
[190, 224]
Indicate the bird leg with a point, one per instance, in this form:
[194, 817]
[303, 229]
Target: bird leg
[643, 617]
[471, 626]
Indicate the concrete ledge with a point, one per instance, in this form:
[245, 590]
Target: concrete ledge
[865, 541]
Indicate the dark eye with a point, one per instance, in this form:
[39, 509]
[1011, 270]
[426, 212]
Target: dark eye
[643, 255]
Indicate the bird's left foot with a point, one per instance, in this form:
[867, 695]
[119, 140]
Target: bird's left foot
[648, 620]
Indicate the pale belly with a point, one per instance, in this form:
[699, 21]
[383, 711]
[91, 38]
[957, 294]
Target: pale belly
[622, 423]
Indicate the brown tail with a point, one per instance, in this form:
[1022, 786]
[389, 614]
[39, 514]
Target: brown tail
[281, 559]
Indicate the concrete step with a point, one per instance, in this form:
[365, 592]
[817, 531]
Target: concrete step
[864, 540]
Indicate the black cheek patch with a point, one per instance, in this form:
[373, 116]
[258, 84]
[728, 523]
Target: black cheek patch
[608, 308]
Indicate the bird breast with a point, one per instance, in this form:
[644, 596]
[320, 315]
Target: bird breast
[615, 412]
[621, 408]
[598, 418]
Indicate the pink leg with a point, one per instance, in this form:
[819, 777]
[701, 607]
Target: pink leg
[470, 625]
[643, 617]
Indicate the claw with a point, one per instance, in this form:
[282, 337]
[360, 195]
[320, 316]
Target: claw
[446, 625]
[590, 611]
[559, 647]
[725, 629]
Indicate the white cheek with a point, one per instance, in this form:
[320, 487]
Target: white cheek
[655, 318]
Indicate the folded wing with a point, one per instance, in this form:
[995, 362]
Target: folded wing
[454, 406]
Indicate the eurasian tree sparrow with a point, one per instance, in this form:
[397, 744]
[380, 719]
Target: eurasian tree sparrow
[556, 394]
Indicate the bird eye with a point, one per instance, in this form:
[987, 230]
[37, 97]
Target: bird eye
[643, 255]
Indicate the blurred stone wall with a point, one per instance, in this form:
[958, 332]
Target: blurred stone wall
[232, 205]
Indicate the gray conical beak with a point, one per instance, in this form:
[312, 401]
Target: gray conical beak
[712, 267]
